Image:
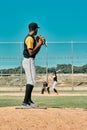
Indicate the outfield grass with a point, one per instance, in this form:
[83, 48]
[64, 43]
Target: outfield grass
[63, 101]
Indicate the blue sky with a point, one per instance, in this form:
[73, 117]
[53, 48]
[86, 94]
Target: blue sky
[63, 20]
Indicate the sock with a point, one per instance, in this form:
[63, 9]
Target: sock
[31, 89]
[42, 92]
[55, 90]
[28, 91]
[48, 90]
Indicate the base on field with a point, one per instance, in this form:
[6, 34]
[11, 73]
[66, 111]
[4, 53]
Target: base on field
[40, 107]
[58, 107]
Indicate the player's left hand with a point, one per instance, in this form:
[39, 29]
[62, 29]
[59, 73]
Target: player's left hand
[41, 38]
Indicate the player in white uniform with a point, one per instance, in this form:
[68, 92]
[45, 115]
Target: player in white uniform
[31, 48]
[54, 75]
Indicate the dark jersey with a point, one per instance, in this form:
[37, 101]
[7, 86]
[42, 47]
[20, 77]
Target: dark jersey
[25, 52]
[45, 84]
[55, 78]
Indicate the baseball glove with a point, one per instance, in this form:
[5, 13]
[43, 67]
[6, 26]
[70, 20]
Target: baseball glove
[41, 38]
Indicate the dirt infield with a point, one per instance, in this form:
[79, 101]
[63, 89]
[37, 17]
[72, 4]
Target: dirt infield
[38, 94]
[40, 119]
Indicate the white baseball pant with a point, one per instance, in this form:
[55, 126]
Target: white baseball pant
[29, 67]
[54, 84]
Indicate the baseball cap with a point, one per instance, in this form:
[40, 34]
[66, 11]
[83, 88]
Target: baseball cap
[33, 26]
[54, 72]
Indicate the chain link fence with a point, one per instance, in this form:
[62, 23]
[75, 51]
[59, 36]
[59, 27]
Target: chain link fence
[56, 54]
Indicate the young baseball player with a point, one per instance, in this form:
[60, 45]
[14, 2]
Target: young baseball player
[32, 46]
[54, 75]
[45, 87]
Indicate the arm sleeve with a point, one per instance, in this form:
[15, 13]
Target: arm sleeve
[29, 42]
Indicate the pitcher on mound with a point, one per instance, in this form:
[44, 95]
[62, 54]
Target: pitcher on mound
[32, 46]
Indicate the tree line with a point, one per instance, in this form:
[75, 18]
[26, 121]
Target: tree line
[61, 68]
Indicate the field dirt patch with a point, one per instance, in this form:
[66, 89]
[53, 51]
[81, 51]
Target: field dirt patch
[43, 119]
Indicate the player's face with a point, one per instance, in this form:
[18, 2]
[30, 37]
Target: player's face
[35, 31]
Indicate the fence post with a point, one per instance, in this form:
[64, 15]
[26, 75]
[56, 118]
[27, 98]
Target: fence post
[21, 66]
[72, 50]
[46, 63]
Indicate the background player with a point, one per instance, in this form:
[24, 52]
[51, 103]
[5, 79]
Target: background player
[45, 87]
[54, 77]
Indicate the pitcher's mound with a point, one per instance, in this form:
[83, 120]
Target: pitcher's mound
[43, 119]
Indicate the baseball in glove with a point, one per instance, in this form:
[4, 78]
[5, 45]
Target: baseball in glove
[41, 38]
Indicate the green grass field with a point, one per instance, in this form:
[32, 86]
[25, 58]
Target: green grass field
[54, 101]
